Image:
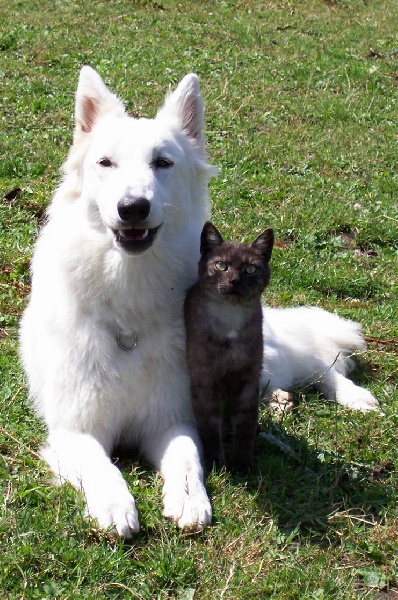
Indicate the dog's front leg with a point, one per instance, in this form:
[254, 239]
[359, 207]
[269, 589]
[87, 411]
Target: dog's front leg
[82, 461]
[175, 454]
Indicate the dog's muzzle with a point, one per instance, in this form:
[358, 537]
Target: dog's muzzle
[134, 240]
[131, 236]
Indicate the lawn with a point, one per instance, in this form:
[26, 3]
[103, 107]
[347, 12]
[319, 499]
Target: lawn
[301, 115]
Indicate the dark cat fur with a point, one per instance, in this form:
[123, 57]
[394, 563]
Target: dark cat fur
[223, 320]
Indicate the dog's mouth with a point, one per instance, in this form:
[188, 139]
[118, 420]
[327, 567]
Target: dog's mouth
[135, 240]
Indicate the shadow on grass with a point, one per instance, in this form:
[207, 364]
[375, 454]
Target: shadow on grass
[307, 490]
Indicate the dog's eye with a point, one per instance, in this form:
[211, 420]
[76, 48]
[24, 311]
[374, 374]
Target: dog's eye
[105, 162]
[250, 269]
[221, 265]
[162, 163]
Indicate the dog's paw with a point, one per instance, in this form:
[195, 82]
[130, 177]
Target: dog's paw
[281, 400]
[358, 398]
[119, 515]
[189, 508]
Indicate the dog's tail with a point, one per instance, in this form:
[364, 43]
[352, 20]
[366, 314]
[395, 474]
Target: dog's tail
[339, 337]
[305, 330]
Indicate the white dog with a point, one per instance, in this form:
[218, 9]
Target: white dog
[102, 339]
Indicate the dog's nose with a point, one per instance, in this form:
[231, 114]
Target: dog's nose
[131, 208]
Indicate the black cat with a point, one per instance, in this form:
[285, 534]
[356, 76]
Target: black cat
[223, 319]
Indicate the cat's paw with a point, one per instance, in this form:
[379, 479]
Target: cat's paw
[214, 462]
[188, 506]
[240, 467]
[117, 513]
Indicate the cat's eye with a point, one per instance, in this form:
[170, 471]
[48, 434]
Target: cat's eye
[250, 269]
[220, 265]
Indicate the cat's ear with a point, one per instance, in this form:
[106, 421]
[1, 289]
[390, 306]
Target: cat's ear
[209, 239]
[264, 243]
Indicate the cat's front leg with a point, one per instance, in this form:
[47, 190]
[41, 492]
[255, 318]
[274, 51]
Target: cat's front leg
[207, 409]
[244, 419]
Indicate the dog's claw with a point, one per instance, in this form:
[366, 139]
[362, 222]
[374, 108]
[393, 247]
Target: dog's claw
[187, 511]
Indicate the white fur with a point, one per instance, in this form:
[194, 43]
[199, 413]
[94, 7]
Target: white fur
[309, 346]
[87, 292]
[91, 393]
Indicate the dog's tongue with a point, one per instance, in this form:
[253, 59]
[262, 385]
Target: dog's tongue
[133, 235]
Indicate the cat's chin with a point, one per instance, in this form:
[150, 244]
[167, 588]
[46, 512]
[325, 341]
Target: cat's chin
[228, 291]
[232, 295]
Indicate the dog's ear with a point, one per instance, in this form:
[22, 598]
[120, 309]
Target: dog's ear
[209, 239]
[264, 243]
[185, 105]
[93, 100]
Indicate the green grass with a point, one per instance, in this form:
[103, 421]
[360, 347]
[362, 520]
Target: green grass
[301, 115]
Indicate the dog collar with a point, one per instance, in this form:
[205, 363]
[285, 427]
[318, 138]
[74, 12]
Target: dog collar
[126, 342]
